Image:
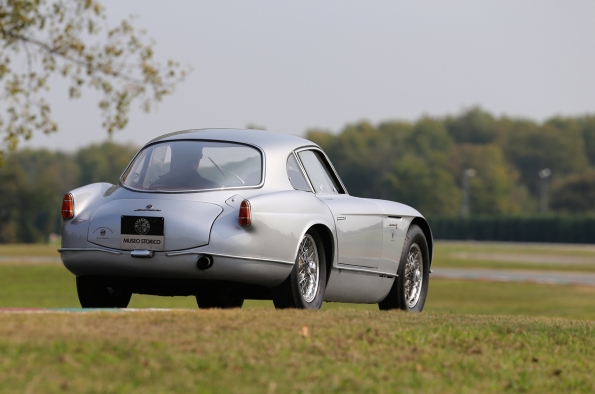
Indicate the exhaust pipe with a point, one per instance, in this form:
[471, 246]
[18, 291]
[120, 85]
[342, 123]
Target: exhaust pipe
[204, 262]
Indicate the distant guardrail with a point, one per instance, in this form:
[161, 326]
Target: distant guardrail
[551, 228]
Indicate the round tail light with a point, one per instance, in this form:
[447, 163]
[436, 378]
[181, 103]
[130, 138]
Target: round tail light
[67, 206]
[245, 217]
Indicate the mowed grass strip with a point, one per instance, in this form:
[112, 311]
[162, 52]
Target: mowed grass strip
[33, 250]
[509, 255]
[449, 262]
[574, 250]
[267, 351]
[52, 286]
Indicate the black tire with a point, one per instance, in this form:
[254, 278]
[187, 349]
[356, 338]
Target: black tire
[396, 298]
[210, 302]
[93, 292]
[289, 293]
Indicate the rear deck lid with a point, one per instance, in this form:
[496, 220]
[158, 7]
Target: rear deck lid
[159, 224]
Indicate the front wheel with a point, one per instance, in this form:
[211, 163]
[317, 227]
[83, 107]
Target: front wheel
[305, 286]
[410, 288]
[93, 292]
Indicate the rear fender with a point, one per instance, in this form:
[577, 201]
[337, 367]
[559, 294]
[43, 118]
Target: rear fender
[279, 221]
[87, 200]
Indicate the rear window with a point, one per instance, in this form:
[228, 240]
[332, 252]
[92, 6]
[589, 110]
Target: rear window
[194, 165]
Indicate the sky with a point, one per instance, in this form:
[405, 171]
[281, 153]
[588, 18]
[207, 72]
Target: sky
[294, 65]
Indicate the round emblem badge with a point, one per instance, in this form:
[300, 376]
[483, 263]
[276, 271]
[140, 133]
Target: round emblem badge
[142, 226]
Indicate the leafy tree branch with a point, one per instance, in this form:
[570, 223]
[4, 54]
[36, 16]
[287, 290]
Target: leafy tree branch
[71, 38]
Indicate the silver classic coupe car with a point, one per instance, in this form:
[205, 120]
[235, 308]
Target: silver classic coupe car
[227, 215]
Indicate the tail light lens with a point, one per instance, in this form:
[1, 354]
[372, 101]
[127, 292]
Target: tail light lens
[245, 217]
[68, 206]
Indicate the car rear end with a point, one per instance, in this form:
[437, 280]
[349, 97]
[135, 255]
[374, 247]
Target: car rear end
[166, 229]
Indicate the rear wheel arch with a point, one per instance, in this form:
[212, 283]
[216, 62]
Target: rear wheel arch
[425, 227]
[310, 269]
[328, 240]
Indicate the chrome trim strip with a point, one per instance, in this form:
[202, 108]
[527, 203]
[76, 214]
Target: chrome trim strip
[88, 250]
[311, 147]
[304, 174]
[368, 271]
[383, 215]
[181, 253]
[170, 254]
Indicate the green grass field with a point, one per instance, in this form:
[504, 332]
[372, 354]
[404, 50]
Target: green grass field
[268, 351]
[472, 337]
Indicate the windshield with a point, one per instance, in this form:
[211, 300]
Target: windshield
[194, 165]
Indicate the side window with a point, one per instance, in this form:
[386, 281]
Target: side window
[295, 175]
[318, 172]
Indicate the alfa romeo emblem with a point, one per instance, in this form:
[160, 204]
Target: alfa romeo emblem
[142, 226]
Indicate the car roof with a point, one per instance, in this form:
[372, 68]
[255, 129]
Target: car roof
[267, 140]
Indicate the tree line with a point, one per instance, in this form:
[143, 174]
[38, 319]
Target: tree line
[32, 183]
[417, 163]
[421, 163]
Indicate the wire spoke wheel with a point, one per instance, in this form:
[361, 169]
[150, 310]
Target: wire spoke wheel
[308, 268]
[410, 287]
[305, 285]
[413, 275]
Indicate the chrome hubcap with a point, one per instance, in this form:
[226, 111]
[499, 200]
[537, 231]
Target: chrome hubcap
[413, 275]
[308, 273]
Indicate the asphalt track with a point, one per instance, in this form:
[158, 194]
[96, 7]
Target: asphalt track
[532, 276]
